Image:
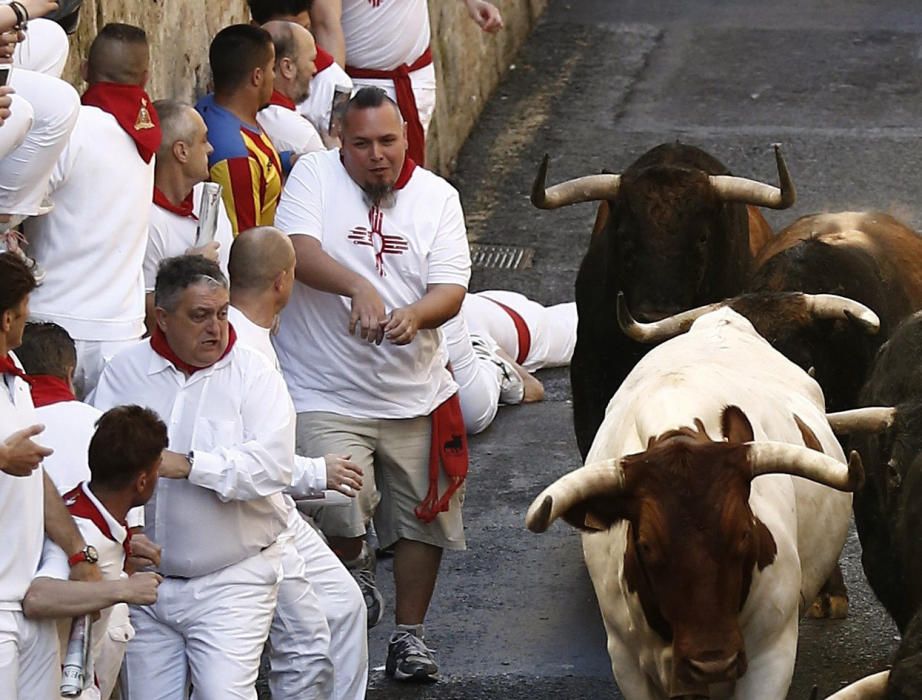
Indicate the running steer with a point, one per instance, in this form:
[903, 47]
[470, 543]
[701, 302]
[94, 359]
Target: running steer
[701, 565]
[673, 232]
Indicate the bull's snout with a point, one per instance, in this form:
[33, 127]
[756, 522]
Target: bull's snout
[714, 667]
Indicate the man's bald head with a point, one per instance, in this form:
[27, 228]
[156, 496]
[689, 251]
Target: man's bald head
[257, 258]
[119, 54]
[295, 53]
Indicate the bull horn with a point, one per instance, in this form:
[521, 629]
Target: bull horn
[862, 420]
[661, 330]
[872, 687]
[583, 189]
[741, 189]
[783, 458]
[834, 307]
[571, 489]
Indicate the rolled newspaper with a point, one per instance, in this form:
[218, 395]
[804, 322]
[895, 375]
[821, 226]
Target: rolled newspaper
[208, 213]
[77, 673]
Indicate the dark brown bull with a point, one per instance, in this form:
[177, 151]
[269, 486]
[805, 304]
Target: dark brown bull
[674, 231]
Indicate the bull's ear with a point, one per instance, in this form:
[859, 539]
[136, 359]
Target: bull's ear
[735, 426]
[596, 514]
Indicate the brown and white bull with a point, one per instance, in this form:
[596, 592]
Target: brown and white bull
[701, 546]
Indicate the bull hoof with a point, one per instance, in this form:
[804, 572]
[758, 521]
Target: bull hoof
[829, 607]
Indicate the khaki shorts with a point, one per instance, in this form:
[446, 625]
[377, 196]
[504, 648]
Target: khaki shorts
[394, 457]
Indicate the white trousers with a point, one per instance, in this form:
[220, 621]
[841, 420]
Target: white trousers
[44, 50]
[25, 172]
[14, 130]
[326, 587]
[479, 380]
[29, 662]
[208, 630]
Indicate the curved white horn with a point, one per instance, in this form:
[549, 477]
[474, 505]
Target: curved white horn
[741, 189]
[661, 330]
[834, 307]
[874, 419]
[783, 458]
[572, 488]
[583, 189]
[872, 687]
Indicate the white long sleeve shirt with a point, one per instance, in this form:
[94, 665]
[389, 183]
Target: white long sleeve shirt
[236, 417]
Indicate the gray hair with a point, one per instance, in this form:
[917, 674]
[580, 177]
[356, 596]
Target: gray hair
[175, 275]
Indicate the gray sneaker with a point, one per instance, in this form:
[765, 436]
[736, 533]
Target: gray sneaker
[511, 386]
[363, 571]
[409, 659]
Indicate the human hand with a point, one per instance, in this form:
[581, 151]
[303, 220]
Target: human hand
[209, 251]
[485, 14]
[39, 8]
[6, 102]
[84, 571]
[174, 466]
[8, 41]
[20, 455]
[401, 326]
[342, 475]
[144, 553]
[367, 313]
[141, 589]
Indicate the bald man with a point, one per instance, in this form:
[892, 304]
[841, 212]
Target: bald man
[295, 53]
[181, 168]
[92, 243]
[318, 641]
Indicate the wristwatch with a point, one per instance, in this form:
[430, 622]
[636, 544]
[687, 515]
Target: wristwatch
[87, 554]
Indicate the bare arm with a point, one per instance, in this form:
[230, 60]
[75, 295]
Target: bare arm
[51, 597]
[318, 270]
[326, 24]
[485, 14]
[62, 530]
[440, 303]
[35, 8]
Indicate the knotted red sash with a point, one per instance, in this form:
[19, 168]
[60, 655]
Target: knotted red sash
[132, 109]
[448, 446]
[521, 331]
[416, 138]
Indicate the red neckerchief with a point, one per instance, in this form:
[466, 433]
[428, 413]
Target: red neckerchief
[323, 61]
[160, 346]
[47, 389]
[521, 330]
[406, 101]
[7, 366]
[281, 100]
[132, 109]
[406, 172]
[448, 445]
[81, 506]
[184, 208]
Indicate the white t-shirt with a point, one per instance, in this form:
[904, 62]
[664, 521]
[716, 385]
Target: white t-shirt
[22, 509]
[385, 34]
[318, 105]
[420, 241]
[237, 418]
[171, 234]
[92, 243]
[111, 566]
[69, 427]
[288, 130]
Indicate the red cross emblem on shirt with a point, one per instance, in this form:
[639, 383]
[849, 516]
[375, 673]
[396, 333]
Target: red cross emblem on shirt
[382, 244]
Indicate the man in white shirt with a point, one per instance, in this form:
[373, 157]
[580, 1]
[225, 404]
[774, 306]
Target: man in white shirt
[216, 512]
[92, 244]
[262, 274]
[383, 261]
[181, 168]
[294, 68]
[124, 456]
[29, 504]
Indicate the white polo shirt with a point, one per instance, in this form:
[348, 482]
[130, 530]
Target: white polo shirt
[387, 34]
[171, 234]
[69, 427]
[236, 416]
[288, 130]
[22, 506]
[92, 243]
[420, 241]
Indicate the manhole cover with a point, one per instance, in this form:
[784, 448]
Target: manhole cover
[501, 257]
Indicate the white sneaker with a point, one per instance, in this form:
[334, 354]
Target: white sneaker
[511, 386]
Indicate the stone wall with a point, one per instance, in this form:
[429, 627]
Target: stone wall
[469, 63]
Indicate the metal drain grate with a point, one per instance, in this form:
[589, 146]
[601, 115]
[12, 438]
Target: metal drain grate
[501, 257]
